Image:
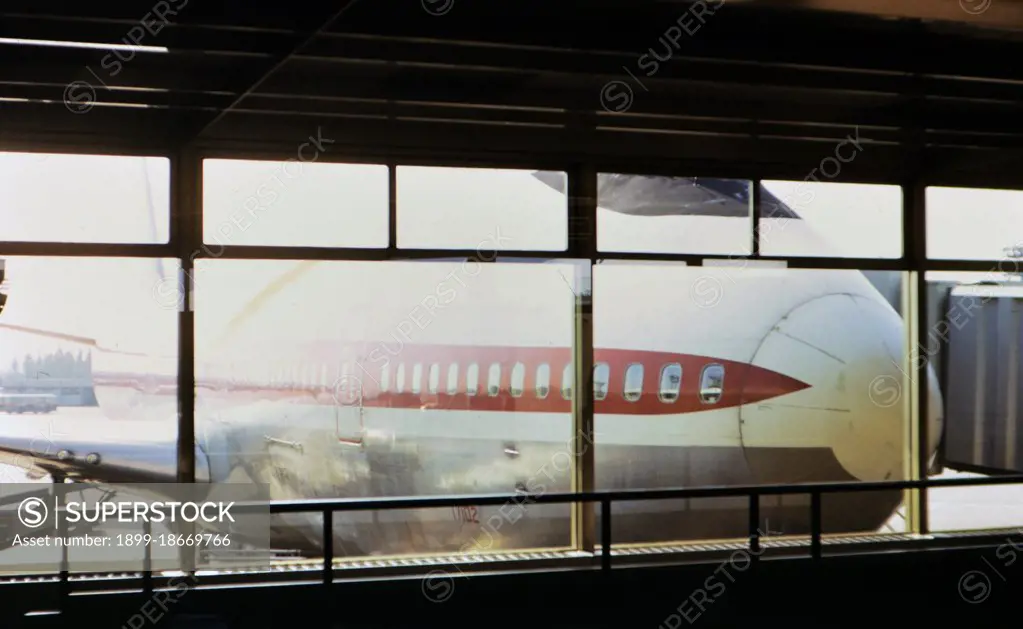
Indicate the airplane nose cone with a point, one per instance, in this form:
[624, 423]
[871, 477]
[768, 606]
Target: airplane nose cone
[850, 422]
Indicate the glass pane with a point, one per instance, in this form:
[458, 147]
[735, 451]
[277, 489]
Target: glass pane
[712, 383]
[434, 378]
[653, 214]
[809, 392]
[417, 377]
[481, 208]
[976, 224]
[518, 379]
[88, 365]
[84, 198]
[472, 379]
[294, 203]
[842, 220]
[543, 380]
[494, 380]
[453, 379]
[671, 382]
[601, 377]
[265, 313]
[566, 382]
[633, 383]
[972, 342]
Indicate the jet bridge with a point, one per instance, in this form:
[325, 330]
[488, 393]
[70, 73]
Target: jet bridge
[983, 378]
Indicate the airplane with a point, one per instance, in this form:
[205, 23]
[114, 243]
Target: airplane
[324, 385]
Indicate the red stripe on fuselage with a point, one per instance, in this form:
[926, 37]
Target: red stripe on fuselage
[317, 371]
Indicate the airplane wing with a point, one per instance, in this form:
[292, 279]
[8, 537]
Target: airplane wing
[644, 195]
[101, 449]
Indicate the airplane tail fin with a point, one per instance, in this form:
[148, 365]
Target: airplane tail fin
[160, 272]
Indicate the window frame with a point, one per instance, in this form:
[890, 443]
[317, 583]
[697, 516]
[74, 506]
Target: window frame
[703, 376]
[660, 383]
[597, 397]
[545, 369]
[494, 373]
[625, 382]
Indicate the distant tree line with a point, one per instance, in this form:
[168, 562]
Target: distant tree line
[59, 364]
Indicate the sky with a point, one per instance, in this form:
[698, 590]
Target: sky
[130, 304]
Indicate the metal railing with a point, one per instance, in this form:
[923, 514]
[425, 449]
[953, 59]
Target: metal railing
[328, 507]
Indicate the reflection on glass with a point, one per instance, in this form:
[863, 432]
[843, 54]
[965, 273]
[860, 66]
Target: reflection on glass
[633, 382]
[601, 375]
[417, 437]
[712, 382]
[788, 376]
[63, 198]
[88, 374]
[434, 377]
[671, 381]
[294, 203]
[417, 375]
[518, 379]
[973, 341]
[806, 218]
[453, 379]
[654, 214]
[481, 208]
[976, 224]
[543, 380]
[472, 379]
[494, 380]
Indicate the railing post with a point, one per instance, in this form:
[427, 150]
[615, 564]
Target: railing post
[754, 525]
[605, 535]
[328, 547]
[815, 524]
[63, 580]
[147, 558]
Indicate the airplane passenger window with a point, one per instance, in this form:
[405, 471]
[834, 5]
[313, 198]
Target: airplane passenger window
[399, 377]
[712, 383]
[453, 379]
[494, 380]
[671, 382]
[518, 380]
[543, 380]
[633, 382]
[417, 377]
[385, 377]
[472, 379]
[601, 377]
[566, 382]
[434, 380]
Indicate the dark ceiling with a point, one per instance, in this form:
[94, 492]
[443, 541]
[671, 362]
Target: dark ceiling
[463, 80]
